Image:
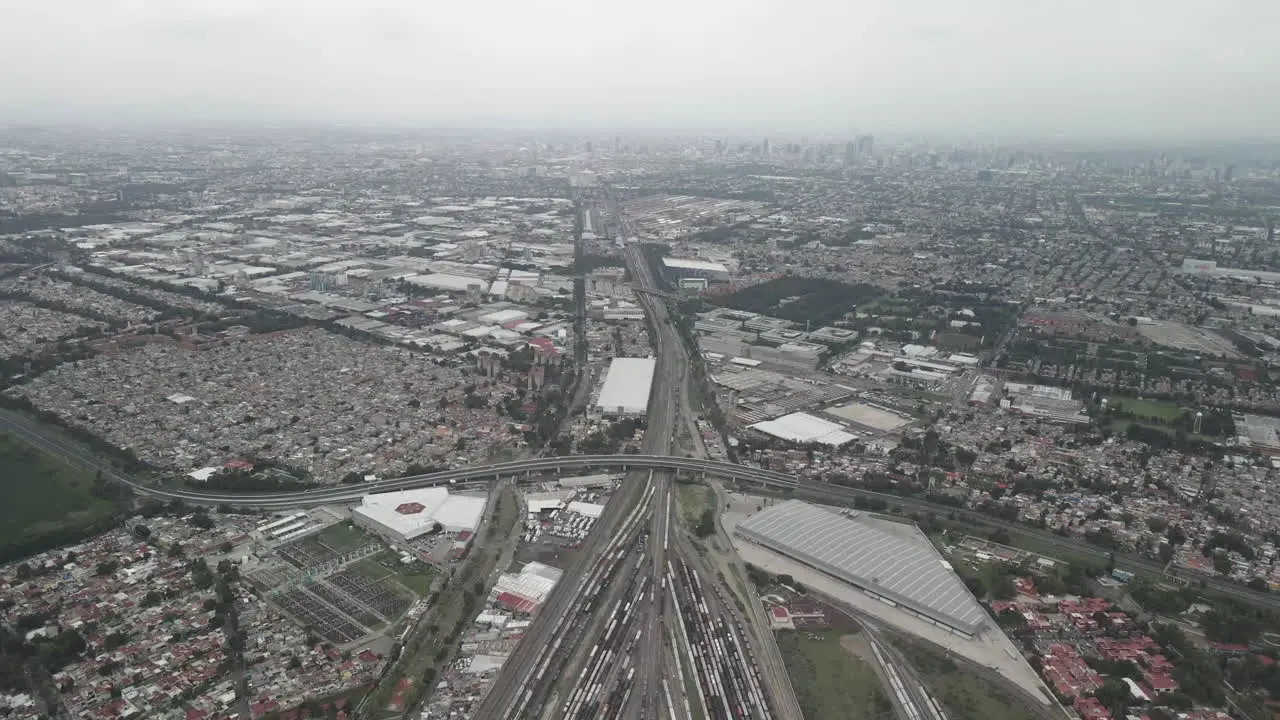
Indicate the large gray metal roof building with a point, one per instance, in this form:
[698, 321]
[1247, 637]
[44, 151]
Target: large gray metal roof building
[906, 571]
[626, 387]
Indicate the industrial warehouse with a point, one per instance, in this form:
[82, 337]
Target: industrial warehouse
[405, 515]
[902, 571]
[626, 387]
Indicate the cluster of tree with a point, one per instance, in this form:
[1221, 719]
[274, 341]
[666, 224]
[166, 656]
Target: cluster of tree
[1198, 673]
[125, 458]
[239, 480]
[993, 581]
[27, 249]
[818, 301]
[112, 322]
[1230, 542]
[1232, 622]
[1160, 600]
[706, 526]
[1159, 439]
[17, 369]
[415, 469]
[31, 222]
[1250, 673]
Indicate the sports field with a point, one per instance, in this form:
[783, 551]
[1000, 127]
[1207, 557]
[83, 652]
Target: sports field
[1165, 412]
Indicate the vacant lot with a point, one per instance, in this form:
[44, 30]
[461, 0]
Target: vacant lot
[963, 695]
[344, 537]
[46, 501]
[830, 682]
[813, 300]
[694, 499]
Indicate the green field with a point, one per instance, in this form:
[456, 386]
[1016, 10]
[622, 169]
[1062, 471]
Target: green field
[694, 498]
[343, 537]
[47, 502]
[963, 695]
[830, 682]
[386, 566]
[1165, 412]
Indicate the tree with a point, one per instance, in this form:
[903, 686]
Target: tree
[24, 572]
[1222, 563]
[1114, 694]
[1258, 583]
[175, 549]
[706, 524]
[142, 532]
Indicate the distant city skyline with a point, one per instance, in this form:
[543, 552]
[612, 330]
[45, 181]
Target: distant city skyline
[1171, 69]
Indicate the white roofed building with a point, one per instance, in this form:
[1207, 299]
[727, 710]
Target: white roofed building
[626, 387]
[408, 514]
[804, 428]
[677, 269]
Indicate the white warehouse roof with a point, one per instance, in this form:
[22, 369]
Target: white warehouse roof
[626, 387]
[687, 264]
[805, 428]
[410, 513]
[447, 281]
[905, 569]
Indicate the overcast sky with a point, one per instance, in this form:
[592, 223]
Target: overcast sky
[1159, 68]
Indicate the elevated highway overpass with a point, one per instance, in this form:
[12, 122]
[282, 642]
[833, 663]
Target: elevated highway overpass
[766, 478]
[726, 470]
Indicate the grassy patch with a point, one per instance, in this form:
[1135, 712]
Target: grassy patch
[1166, 412]
[830, 682]
[343, 537]
[694, 498]
[963, 695]
[46, 501]
[386, 565]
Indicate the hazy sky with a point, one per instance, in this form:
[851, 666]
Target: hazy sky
[1084, 67]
